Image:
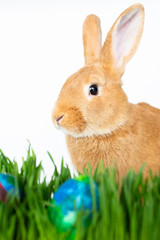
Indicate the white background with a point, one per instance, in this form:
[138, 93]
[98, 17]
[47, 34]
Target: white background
[40, 46]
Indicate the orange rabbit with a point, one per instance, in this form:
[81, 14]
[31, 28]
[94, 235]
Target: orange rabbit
[93, 110]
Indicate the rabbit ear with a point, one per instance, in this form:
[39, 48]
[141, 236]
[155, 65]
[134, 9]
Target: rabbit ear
[122, 40]
[91, 39]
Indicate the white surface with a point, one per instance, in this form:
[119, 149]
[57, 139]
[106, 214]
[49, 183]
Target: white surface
[40, 46]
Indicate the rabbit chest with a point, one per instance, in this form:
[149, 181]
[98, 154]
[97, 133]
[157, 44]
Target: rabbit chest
[127, 148]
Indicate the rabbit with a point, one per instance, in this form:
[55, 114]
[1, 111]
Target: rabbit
[93, 110]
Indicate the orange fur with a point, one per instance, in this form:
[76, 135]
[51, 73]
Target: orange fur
[135, 143]
[92, 45]
[107, 127]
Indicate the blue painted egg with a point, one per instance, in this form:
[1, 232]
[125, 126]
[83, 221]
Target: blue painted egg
[71, 197]
[9, 186]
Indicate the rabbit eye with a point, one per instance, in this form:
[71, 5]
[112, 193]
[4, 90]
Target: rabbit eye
[93, 90]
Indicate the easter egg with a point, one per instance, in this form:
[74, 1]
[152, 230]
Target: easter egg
[71, 197]
[9, 186]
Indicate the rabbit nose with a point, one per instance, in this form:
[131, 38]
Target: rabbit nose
[58, 119]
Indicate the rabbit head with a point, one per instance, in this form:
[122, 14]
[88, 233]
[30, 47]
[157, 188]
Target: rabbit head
[92, 102]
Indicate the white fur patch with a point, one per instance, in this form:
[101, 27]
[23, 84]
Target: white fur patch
[89, 133]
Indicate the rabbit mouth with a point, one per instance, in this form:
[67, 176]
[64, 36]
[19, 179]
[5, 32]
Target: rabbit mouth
[69, 120]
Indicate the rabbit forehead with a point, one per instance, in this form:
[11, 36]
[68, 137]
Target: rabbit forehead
[88, 74]
[96, 75]
[74, 85]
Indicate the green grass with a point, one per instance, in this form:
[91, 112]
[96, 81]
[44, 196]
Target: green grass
[130, 210]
